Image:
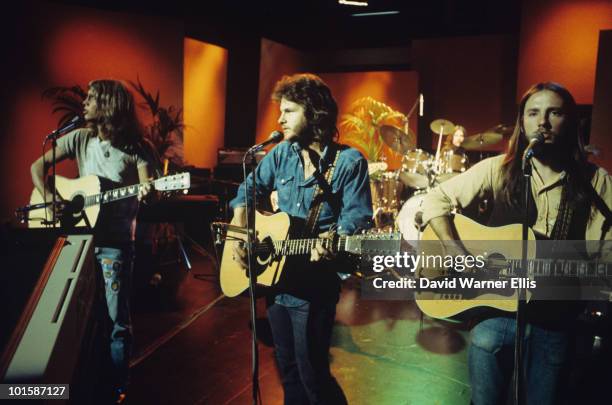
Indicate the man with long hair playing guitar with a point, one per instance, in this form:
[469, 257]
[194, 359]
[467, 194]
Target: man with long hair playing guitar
[111, 147]
[569, 198]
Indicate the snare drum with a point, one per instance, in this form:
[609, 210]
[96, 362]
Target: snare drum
[407, 221]
[415, 165]
[452, 162]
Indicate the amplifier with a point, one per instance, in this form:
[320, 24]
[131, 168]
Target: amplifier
[234, 156]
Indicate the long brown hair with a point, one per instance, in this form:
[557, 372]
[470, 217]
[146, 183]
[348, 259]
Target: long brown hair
[448, 143]
[572, 156]
[320, 108]
[117, 113]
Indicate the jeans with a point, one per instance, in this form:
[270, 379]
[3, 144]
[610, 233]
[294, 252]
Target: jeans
[491, 361]
[116, 266]
[302, 336]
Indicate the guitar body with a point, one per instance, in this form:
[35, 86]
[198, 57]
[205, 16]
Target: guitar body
[233, 278]
[73, 190]
[445, 305]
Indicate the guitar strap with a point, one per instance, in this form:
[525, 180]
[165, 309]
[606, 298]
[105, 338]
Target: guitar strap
[603, 208]
[321, 187]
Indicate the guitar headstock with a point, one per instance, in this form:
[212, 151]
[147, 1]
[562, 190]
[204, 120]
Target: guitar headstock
[181, 181]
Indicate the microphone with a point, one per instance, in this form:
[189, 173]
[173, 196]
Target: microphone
[538, 139]
[275, 137]
[421, 105]
[69, 126]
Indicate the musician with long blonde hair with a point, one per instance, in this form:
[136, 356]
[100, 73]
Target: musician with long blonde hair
[111, 147]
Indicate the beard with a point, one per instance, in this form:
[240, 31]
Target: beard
[546, 150]
[304, 138]
[556, 152]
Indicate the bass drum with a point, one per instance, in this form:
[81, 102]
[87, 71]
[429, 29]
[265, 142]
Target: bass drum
[409, 218]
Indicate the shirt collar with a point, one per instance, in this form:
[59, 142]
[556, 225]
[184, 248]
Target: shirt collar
[558, 180]
[326, 156]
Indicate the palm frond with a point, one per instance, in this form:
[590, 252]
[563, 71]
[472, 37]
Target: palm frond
[66, 99]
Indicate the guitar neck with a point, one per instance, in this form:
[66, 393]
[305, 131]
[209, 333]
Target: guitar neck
[292, 247]
[113, 195]
[563, 268]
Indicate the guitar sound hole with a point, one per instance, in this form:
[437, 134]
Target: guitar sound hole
[265, 250]
[496, 265]
[76, 205]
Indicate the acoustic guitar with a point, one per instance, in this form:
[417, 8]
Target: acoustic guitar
[84, 196]
[502, 264]
[275, 244]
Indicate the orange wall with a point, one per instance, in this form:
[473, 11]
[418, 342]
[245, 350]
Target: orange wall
[558, 42]
[399, 90]
[205, 74]
[88, 44]
[276, 61]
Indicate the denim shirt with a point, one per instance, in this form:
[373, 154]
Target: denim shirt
[282, 169]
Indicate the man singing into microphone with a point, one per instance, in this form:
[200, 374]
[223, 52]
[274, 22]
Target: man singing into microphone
[568, 199]
[111, 147]
[304, 303]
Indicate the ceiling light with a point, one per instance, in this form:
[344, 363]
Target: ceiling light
[353, 3]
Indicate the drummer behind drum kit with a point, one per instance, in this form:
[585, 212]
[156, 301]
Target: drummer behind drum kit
[420, 171]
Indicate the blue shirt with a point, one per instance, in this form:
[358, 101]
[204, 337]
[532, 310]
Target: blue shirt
[282, 169]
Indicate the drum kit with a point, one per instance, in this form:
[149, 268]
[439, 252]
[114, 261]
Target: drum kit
[420, 171]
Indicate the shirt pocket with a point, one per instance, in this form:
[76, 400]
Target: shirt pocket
[286, 188]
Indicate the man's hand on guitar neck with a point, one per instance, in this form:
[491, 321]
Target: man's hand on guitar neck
[320, 252]
[147, 194]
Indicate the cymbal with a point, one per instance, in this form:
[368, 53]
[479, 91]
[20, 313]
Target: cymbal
[442, 125]
[397, 139]
[478, 141]
[505, 130]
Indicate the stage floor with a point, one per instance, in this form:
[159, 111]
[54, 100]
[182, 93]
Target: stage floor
[192, 346]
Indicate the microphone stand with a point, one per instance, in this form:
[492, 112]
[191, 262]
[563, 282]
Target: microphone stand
[53, 174]
[519, 383]
[252, 271]
[53, 137]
